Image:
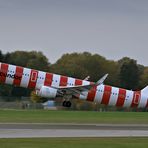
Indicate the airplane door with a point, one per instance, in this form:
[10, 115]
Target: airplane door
[136, 98]
[33, 79]
[34, 76]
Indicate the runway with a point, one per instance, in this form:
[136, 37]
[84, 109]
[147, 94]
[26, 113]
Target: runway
[29, 130]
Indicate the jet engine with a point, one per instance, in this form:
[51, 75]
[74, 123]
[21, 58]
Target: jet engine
[47, 92]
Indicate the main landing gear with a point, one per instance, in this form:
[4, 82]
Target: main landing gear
[66, 103]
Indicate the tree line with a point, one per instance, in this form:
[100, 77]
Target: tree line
[125, 73]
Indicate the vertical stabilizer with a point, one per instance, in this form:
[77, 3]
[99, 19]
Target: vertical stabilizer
[145, 89]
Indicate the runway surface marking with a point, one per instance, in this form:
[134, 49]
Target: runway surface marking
[28, 130]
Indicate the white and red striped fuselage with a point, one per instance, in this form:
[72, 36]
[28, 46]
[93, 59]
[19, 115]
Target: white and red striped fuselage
[103, 94]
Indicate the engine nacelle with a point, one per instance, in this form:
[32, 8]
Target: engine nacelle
[47, 92]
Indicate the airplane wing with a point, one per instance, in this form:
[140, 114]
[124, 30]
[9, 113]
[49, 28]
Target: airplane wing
[75, 90]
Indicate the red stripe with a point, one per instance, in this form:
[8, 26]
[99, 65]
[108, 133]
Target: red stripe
[147, 104]
[136, 98]
[92, 83]
[106, 95]
[91, 94]
[48, 79]
[18, 76]
[33, 79]
[3, 72]
[121, 97]
[63, 81]
[78, 82]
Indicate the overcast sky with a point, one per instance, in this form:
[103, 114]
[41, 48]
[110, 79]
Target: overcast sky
[112, 28]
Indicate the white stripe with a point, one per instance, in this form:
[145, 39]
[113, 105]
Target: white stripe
[114, 96]
[70, 81]
[25, 77]
[85, 82]
[40, 79]
[10, 72]
[143, 101]
[56, 80]
[128, 98]
[99, 93]
[84, 94]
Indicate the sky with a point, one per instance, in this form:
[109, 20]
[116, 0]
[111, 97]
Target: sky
[111, 28]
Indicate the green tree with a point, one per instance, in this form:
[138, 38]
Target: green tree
[32, 59]
[38, 61]
[1, 56]
[129, 74]
[80, 65]
[144, 78]
[124, 60]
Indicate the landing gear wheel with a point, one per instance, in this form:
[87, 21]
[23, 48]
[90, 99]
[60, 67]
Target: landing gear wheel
[64, 103]
[67, 104]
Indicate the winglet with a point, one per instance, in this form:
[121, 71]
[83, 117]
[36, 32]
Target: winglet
[99, 82]
[87, 78]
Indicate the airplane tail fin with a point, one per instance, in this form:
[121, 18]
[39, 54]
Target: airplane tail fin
[145, 92]
[145, 89]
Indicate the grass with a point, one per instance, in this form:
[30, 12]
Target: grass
[44, 116]
[74, 143]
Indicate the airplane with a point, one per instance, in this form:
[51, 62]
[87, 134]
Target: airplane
[51, 85]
